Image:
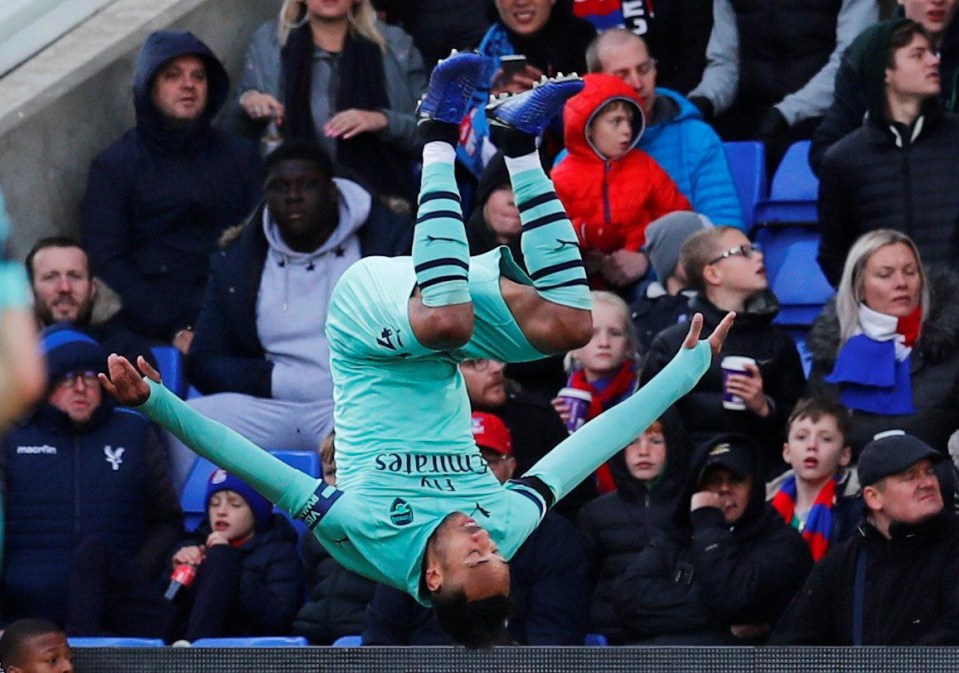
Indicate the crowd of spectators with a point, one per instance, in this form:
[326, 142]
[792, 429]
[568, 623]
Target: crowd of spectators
[762, 507]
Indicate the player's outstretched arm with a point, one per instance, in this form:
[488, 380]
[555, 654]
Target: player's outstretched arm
[279, 483]
[577, 457]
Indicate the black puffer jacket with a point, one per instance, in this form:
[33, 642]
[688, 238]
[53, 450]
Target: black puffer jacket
[693, 582]
[338, 597]
[934, 365]
[910, 596]
[753, 335]
[873, 180]
[257, 586]
[619, 525]
[889, 175]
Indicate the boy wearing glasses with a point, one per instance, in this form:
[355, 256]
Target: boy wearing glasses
[90, 511]
[728, 273]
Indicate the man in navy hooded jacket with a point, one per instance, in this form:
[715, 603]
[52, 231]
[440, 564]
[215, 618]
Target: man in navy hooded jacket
[89, 511]
[158, 198]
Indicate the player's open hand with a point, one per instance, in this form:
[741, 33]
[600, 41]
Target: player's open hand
[125, 382]
[715, 339]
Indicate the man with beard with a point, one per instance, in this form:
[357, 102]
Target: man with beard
[63, 291]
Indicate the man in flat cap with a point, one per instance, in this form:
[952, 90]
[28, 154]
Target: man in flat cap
[895, 582]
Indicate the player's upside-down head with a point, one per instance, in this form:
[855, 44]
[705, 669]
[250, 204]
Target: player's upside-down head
[468, 582]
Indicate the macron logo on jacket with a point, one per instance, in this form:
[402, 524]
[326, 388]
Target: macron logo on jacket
[46, 450]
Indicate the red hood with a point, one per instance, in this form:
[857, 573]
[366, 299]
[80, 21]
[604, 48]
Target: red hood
[599, 89]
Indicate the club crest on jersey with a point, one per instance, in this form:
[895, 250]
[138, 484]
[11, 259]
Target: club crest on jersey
[114, 456]
[401, 514]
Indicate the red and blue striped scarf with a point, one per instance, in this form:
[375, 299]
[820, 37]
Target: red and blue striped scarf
[818, 522]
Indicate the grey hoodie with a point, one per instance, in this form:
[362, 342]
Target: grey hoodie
[291, 305]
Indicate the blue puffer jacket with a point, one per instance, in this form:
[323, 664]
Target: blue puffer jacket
[159, 197]
[64, 484]
[690, 151]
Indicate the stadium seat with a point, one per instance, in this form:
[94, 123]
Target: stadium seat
[595, 640]
[794, 191]
[348, 641]
[798, 335]
[794, 275]
[114, 642]
[194, 489]
[747, 162]
[170, 362]
[264, 641]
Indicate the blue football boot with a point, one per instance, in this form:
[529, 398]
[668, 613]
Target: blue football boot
[531, 111]
[451, 86]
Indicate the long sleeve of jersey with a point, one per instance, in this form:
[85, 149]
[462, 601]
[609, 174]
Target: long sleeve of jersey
[563, 468]
[285, 486]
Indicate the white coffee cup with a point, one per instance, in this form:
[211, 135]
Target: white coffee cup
[734, 364]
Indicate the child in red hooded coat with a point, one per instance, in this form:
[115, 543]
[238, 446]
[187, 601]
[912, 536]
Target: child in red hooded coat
[611, 190]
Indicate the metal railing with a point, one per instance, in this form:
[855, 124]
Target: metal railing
[27, 26]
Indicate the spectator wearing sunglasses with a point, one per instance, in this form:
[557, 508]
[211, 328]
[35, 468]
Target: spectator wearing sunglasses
[90, 511]
[728, 273]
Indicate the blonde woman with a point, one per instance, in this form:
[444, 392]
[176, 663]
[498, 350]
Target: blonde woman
[329, 72]
[888, 347]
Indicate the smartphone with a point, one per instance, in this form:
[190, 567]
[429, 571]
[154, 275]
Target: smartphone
[512, 65]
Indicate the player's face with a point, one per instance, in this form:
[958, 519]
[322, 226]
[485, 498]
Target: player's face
[466, 557]
[44, 653]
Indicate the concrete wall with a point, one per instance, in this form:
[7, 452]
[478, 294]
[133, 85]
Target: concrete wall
[65, 105]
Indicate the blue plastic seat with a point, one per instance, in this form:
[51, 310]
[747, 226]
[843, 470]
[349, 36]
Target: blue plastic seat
[595, 640]
[192, 498]
[348, 641]
[794, 191]
[747, 163]
[794, 275]
[114, 642]
[263, 641]
[170, 363]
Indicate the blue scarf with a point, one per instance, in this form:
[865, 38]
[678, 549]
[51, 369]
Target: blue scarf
[873, 367]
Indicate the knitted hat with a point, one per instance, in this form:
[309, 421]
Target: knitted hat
[664, 238]
[221, 480]
[68, 349]
[491, 433]
[892, 452]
